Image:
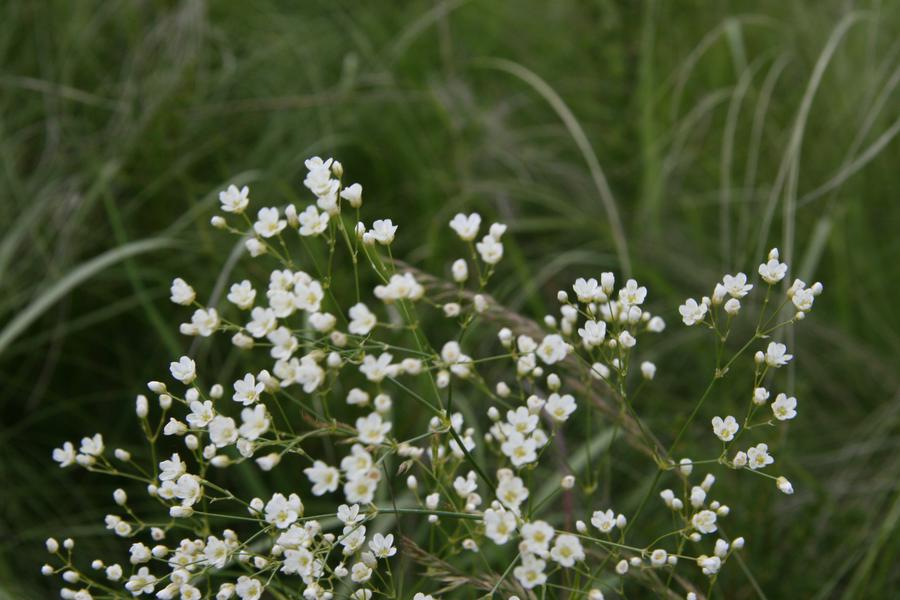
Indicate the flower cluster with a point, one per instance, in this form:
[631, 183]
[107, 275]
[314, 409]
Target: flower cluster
[354, 383]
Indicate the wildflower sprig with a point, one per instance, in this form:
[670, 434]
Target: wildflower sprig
[348, 387]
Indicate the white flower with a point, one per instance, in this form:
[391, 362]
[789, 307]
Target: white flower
[632, 294]
[732, 306]
[382, 546]
[171, 469]
[560, 407]
[784, 407]
[626, 340]
[605, 521]
[247, 390]
[736, 285]
[309, 296]
[349, 515]
[758, 456]
[553, 349]
[141, 582]
[65, 456]
[460, 270]
[268, 223]
[587, 290]
[725, 428]
[263, 321]
[567, 550]
[323, 477]
[181, 292]
[466, 227]
[185, 370]
[376, 369]
[784, 485]
[255, 422]
[490, 249]
[776, 355]
[499, 525]
[360, 573]
[312, 222]
[216, 552]
[205, 322]
[773, 271]
[531, 572]
[658, 557]
[222, 431]
[691, 312]
[139, 554]
[648, 370]
[709, 564]
[593, 333]
[519, 449]
[248, 588]
[234, 200]
[371, 429]
[362, 320]
[511, 491]
[242, 295]
[383, 231]
[281, 511]
[201, 414]
[704, 521]
[536, 537]
[353, 194]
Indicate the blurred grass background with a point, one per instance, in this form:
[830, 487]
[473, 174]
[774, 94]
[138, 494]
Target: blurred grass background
[699, 133]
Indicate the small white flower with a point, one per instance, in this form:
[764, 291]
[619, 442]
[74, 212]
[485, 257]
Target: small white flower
[784, 485]
[560, 407]
[704, 521]
[268, 223]
[536, 537]
[254, 422]
[531, 572]
[553, 349]
[460, 270]
[372, 429]
[181, 292]
[648, 370]
[65, 456]
[499, 525]
[242, 295]
[692, 312]
[736, 285]
[281, 511]
[234, 200]
[725, 428]
[353, 194]
[490, 249]
[324, 478]
[587, 290]
[248, 588]
[784, 407]
[185, 370]
[632, 294]
[758, 456]
[222, 431]
[383, 231]
[776, 355]
[312, 222]
[466, 227]
[604, 521]
[382, 546]
[773, 271]
[247, 390]
[567, 550]
[593, 333]
[362, 320]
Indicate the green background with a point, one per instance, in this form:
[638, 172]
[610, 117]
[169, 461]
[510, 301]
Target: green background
[721, 128]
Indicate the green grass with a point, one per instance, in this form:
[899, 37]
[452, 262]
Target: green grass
[682, 138]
